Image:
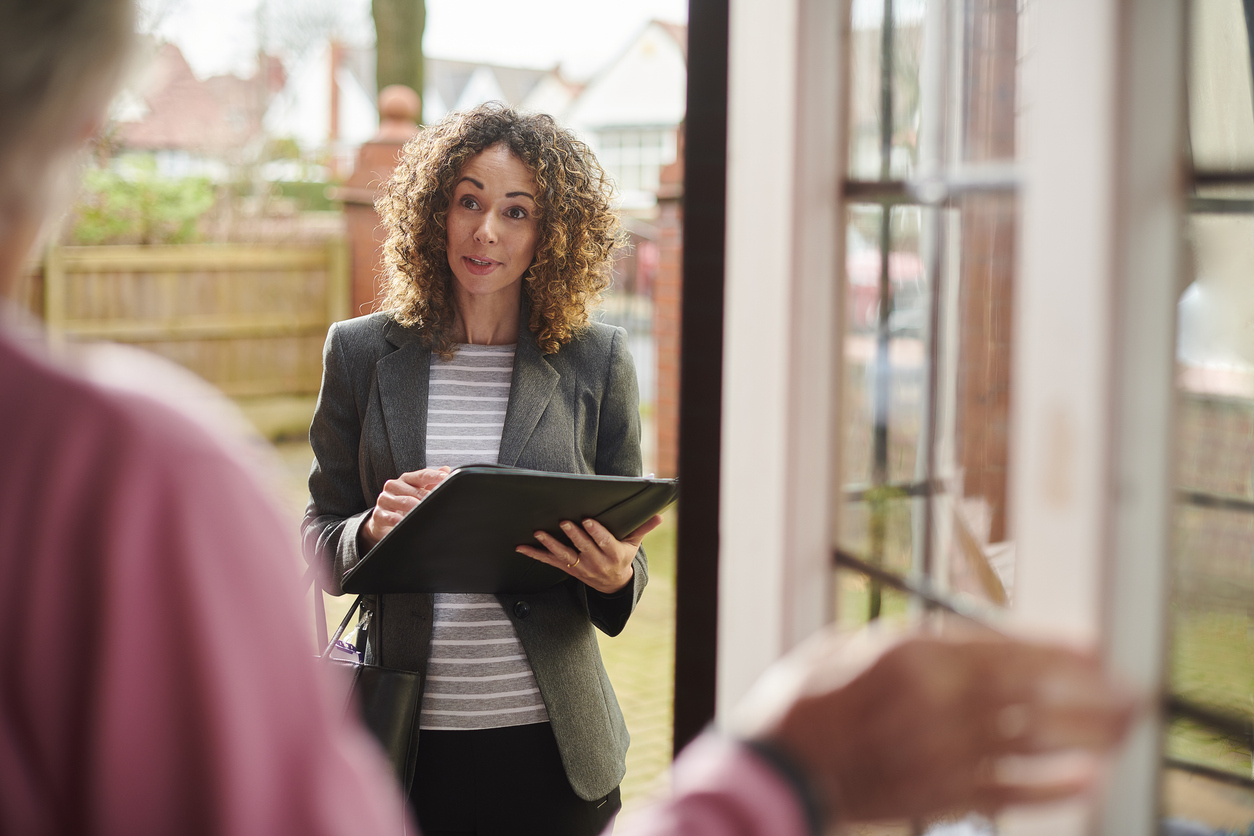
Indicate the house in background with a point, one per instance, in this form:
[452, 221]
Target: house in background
[328, 107]
[630, 112]
[458, 85]
[190, 126]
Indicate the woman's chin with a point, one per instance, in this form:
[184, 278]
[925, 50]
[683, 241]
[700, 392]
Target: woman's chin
[483, 288]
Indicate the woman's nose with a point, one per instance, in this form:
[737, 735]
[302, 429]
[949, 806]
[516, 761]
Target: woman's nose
[485, 233]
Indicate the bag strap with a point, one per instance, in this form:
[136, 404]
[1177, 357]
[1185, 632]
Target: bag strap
[309, 579]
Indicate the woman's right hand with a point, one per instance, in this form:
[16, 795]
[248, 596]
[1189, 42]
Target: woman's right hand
[400, 496]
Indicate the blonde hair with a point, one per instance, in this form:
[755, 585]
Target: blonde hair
[59, 61]
[579, 231]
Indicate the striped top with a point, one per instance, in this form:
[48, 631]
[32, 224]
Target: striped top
[478, 676]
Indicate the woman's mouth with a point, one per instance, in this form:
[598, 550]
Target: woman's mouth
[479, 266]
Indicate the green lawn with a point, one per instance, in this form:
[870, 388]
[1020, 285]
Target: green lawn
[1213, 663]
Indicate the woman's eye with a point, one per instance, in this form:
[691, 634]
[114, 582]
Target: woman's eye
[517, 213]
[470, 203]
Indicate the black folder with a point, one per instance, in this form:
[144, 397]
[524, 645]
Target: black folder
[462, 537]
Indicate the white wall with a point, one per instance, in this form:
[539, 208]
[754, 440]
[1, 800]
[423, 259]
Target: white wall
[646, 86]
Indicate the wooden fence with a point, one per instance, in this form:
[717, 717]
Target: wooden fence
[250, 319]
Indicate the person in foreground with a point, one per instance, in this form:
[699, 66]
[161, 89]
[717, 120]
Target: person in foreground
[500, 237]
[140, 564]
[877, 726]
[157, 670]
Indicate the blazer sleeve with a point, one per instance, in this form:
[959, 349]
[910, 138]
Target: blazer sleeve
[337, 507]
[618, 454]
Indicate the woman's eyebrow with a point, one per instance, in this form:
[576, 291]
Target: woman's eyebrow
[478, 185]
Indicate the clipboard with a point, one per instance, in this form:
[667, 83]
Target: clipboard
[462, 537]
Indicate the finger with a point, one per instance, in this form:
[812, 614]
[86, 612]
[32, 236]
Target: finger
[1023, 672]
[540, 555]
[637, 536]
[590, 537]
[547, 557]
[399, 503]
[425, 478]
[556, 547]
[998, 797]
[1057, 728]
[384, 520]
[400, 487]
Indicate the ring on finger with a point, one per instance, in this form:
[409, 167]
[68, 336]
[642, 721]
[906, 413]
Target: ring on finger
[576, 563]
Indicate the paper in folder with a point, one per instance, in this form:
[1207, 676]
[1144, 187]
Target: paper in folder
[462, 537]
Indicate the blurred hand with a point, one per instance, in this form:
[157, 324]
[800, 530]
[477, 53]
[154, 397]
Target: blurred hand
[400, 496]
[598, 558]
[905, 729]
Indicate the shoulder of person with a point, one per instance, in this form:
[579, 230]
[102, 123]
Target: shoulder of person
[598, 339]
[371, 329]
[366, 339]
[85, 410]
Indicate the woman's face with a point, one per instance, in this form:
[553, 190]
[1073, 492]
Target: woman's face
[492, 224]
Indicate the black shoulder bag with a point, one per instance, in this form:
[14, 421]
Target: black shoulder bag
[387, 699]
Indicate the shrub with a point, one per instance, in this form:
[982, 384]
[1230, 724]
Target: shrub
[139, 206]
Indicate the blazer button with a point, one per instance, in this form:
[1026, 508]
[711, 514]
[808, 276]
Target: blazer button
[522, 609]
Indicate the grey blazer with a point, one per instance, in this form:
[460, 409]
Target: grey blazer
[575, 411]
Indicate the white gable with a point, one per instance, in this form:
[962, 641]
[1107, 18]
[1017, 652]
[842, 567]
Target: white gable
[359, 114]
[646, 86]
[433, 106]
[482, 87]
[551, 95]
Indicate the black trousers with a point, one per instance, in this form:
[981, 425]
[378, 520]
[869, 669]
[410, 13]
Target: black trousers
[506, 782]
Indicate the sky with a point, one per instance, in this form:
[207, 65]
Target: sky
[221, 36]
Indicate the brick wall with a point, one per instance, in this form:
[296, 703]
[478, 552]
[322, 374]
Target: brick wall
[988, 258]
[667, 293]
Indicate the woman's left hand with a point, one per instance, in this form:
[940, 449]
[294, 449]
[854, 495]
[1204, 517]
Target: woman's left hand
[598, 558]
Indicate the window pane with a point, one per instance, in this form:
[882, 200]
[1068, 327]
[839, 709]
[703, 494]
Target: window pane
[884, 400]
[992, 45]
[1212, 659]
[856, 593]
[897, 379]
[1221, 103]
[867, 88]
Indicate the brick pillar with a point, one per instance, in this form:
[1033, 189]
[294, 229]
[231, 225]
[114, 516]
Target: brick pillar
[988, 258]
[399, 107]
[667, 293]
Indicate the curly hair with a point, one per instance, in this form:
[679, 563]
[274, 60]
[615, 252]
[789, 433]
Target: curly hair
[579, 232]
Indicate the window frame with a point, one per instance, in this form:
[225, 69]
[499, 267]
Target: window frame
[1101, 171]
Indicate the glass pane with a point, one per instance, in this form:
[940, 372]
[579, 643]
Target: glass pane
[870, 42]
[919, 498]
[856, 595]
[884, 403]
[972, 551]
[992, 45]
[1212, 615]
[889, 388]
[1221, 100]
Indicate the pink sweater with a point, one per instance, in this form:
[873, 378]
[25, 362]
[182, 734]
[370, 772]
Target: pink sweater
[157, 673]
[156, 677]
[721, 789]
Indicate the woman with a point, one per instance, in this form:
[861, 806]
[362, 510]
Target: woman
[500, 236]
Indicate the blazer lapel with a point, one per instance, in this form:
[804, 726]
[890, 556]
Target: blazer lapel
[531, 388]
[403, 377]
